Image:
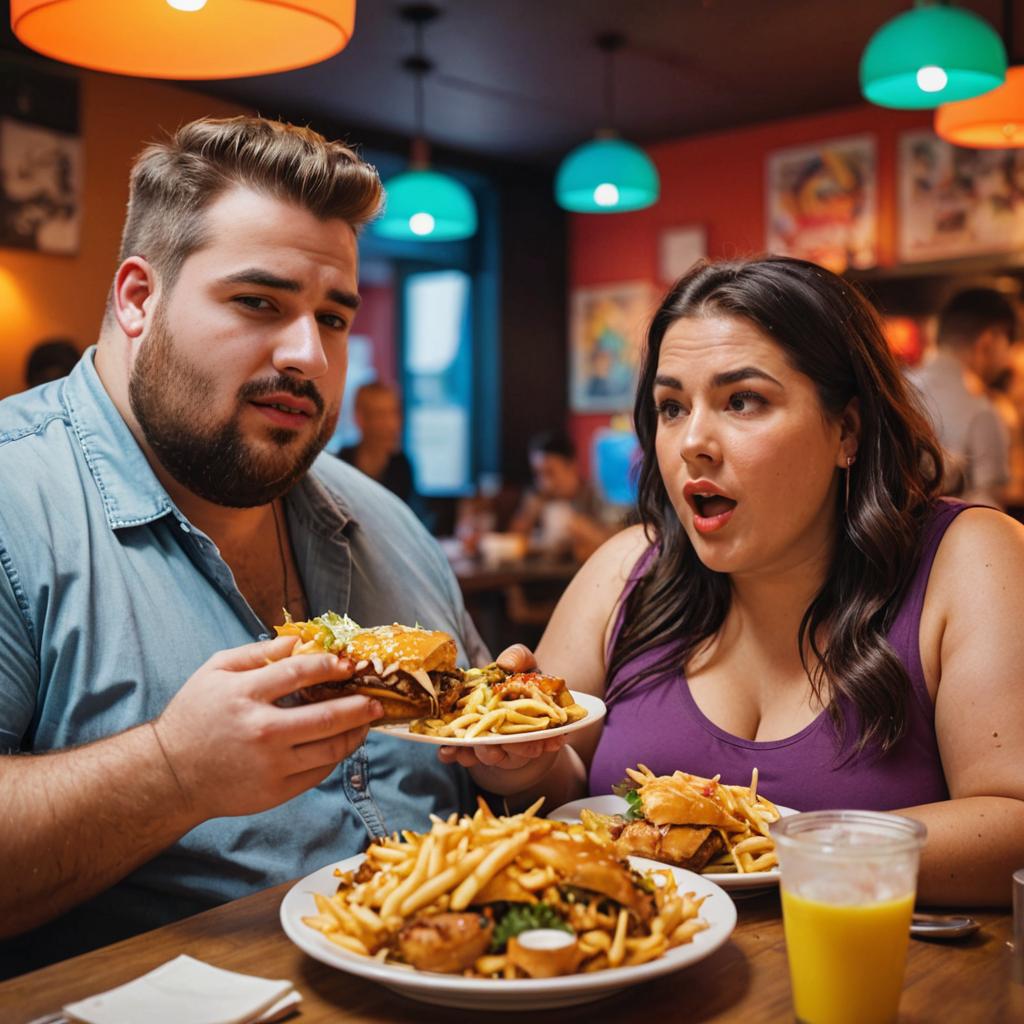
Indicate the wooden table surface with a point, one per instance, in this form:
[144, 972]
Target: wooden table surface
[744, 981]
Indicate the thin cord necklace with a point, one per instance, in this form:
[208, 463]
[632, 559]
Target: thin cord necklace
[280, 551]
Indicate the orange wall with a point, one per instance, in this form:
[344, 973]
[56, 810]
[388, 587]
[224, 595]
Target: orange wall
[718, 181]
[42, 295]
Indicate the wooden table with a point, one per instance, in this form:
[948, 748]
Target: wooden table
[475, 576]
[744, 981]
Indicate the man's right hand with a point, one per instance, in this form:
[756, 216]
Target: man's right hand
[234, 752]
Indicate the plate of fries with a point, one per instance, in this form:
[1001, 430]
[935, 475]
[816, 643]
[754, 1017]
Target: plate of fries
[484, 717]
[452, 916]
[743, 856]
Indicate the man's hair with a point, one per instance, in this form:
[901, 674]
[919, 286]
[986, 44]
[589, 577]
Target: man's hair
[553, 442]
[173, 182]
[972, 312]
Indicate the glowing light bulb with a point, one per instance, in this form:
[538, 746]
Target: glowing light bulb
[931, 78]
[187, 5]
[421, 223]
[606, 194]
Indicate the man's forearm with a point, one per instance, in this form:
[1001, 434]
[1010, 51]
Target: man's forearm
[974, 846]
[74, 822]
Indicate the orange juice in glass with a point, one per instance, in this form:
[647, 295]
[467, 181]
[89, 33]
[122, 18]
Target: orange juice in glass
[848, 884]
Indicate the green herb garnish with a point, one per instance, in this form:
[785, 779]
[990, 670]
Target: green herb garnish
[522, 917]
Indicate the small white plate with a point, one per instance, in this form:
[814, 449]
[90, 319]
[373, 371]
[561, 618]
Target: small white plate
[594, 707]
[611, 804]
[495, 994]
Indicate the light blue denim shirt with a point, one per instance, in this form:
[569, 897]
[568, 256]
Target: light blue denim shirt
[110, 599]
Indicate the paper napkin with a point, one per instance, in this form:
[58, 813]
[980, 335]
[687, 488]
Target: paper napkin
[188, 991]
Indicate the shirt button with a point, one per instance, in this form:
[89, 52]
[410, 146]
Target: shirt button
[356, 781]
[185, 528]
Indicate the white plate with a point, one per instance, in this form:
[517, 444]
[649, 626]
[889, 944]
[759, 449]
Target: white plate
[494, 994]
[611, 804]
[594, 707]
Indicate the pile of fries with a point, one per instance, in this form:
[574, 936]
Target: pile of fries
[486, 866]
[485, 709]
[748, 848]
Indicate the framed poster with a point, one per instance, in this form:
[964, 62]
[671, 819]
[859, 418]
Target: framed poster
[957, 202]
[607, 327]
[822, 202]
[40, 160]
[679, 249]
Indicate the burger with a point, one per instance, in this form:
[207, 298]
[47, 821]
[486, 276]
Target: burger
[667, 820]
[411, 671]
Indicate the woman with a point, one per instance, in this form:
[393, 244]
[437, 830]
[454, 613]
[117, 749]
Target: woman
[796, 597]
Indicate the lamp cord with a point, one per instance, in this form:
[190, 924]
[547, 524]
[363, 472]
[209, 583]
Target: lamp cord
[609, 88]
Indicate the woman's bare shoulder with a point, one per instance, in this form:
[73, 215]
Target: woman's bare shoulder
[610, 566]
[981, 555]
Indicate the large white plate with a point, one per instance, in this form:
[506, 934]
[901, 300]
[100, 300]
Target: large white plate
[492, 994]
[611, 804]
[594, 707]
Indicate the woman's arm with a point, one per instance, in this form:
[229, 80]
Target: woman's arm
[972, 645]
[572, 647]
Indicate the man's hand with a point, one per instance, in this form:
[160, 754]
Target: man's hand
[234, 752]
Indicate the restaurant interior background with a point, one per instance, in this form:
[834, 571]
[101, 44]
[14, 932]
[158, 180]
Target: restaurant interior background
[750, 110]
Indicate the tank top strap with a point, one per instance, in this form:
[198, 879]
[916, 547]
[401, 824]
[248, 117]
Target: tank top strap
[637, 573]
[904, 634]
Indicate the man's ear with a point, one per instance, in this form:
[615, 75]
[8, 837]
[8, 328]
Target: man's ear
[849, 436]
[134, 288]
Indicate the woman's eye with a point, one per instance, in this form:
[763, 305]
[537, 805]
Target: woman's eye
[745, 401]
[669, 410]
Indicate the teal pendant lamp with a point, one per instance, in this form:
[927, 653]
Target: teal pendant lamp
[931, 55]
[607, 174]
[420, 203]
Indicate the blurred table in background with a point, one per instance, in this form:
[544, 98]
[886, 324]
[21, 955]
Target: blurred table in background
[511, 601]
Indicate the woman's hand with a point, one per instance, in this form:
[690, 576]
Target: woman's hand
[506, 768]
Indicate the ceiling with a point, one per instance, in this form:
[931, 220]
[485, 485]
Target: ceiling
[522, 80]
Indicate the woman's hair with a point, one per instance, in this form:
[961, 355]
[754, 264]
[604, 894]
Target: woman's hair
[174, 182]
[832, 335]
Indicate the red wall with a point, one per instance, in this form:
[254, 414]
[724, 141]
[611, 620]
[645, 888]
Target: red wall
[718, 181]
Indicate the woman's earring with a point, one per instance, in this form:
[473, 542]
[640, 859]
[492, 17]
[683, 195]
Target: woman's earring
[846, 501]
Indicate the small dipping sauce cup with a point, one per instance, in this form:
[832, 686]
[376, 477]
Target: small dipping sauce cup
[848, 882]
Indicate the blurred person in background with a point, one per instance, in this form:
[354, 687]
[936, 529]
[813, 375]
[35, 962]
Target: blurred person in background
[378, 415]
[563, 513]
[50, 360]
[975, 330]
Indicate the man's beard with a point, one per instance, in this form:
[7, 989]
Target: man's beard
[171, 398]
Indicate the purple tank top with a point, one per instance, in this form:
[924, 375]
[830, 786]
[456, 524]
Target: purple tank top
[658, 723]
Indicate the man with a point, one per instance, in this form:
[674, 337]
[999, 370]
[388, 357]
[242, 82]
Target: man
[379, 454]
[164, 503]
[975, 330]
[563, 514]
[50, 360]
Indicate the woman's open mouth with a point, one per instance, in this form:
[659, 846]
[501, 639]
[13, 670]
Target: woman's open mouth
[711, 509]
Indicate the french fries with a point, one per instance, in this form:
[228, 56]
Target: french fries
[478, 862]
[485, 710]
[751, 848]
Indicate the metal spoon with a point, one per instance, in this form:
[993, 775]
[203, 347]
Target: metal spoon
[942, 926]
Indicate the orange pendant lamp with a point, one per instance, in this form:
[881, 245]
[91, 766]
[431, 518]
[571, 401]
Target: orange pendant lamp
[994, 120]
[188, 39]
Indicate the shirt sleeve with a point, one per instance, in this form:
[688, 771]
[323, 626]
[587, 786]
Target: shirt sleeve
[988, 455]
[19, 669]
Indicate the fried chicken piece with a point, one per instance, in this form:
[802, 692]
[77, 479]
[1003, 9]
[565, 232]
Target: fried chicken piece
[446, 943]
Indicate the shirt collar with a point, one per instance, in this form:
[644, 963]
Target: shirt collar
[131, 492]
[132, 495]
